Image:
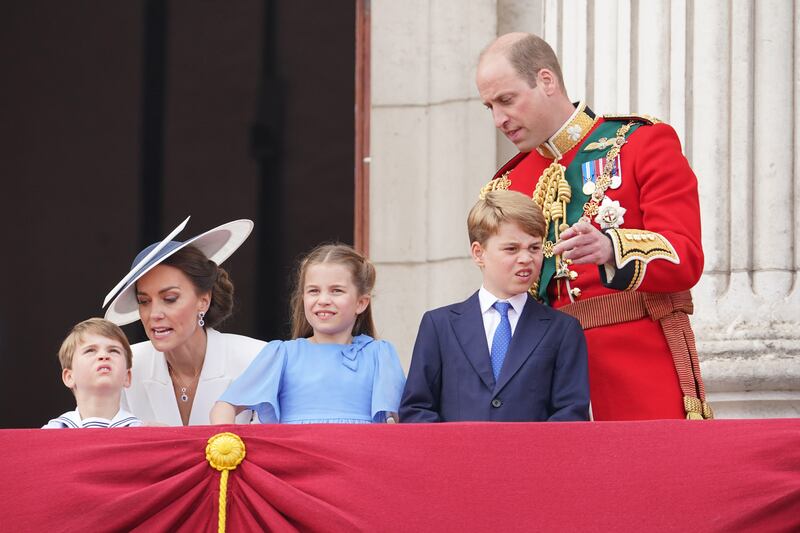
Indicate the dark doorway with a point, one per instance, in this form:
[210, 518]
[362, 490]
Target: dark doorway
[119, 119]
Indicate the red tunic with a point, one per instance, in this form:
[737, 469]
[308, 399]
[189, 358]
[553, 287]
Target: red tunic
[631, 371]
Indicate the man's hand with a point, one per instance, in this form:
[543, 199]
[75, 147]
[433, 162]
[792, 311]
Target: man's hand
[584, 244]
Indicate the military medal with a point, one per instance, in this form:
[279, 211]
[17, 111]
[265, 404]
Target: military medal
[610, 214]
[616, 173]
[590, 171]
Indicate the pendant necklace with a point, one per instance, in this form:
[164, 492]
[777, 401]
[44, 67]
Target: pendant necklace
[184, 397]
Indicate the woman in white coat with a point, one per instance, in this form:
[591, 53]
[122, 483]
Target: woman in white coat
[180, 294]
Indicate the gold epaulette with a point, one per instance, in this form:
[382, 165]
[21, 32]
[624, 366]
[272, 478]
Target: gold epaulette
[499, 184]
[647, 119]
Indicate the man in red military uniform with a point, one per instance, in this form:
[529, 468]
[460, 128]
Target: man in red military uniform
[623, 239]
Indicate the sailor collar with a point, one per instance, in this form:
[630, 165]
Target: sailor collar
[570, 134]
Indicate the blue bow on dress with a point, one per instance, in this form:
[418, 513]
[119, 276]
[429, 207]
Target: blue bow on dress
[350, 353]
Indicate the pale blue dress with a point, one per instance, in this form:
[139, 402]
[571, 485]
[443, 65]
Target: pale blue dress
[300, 382]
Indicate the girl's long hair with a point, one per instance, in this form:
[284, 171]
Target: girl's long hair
[360, 268]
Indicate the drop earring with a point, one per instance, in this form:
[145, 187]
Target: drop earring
[200, 316]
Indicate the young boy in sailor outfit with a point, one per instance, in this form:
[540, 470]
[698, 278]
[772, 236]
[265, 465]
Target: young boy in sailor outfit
[96, 364]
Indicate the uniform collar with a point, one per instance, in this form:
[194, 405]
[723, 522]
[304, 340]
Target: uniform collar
[569, 134]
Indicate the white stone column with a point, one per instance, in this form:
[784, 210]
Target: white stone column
[749, 311]
[432, 147]
[611, 84]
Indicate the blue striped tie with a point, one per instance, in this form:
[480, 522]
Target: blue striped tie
[502, 338]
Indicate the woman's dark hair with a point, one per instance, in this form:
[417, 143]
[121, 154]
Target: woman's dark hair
[206, 277]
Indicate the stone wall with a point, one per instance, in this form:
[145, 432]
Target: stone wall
[432, 147]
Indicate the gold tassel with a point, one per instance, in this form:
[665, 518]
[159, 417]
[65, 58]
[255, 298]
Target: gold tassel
[693, 408]
[224, 452]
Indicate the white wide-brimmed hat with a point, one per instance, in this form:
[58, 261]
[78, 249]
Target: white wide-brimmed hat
[217, 244]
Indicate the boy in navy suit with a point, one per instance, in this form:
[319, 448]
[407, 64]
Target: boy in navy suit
[499, 355]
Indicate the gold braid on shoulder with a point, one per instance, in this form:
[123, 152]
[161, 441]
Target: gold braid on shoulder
[500, 184]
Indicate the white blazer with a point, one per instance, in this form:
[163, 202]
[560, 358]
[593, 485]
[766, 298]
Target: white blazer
[151, 396]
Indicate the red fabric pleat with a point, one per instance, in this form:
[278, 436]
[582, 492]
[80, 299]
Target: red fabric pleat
[668, 475]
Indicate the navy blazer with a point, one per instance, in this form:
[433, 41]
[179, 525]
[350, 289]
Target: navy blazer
[544, 375]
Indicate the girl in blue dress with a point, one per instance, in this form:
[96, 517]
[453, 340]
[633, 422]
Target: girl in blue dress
[333, 370]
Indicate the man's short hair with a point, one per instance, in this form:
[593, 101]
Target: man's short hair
[500, 206]
[531, 54]
[96, 326]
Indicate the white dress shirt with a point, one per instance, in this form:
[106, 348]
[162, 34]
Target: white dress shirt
[491, 316]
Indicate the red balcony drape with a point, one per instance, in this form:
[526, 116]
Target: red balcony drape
[716, 475]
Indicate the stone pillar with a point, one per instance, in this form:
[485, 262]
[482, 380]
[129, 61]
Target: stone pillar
[748, 313]
[432, 148]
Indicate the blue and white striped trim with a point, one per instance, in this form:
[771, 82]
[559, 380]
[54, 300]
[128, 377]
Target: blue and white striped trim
[125, 422]
[66, 421]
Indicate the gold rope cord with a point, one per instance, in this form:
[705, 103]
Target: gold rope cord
[224, 452]
[549, 195]
[552, 194]
[500, 184]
